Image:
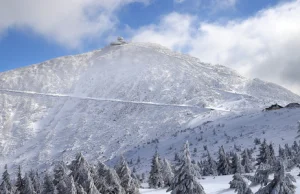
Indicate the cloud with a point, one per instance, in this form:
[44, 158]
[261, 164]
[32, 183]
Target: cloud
[64, 21]
[265, 45]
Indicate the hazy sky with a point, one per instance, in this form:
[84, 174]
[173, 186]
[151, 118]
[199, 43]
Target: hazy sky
[258, 38]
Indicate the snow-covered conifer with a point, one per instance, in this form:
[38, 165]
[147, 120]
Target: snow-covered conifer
[107, 180]
[236, 165]
[246, 162]
[35, 179]
[240, 185]
[126, 180]
[156, 179]
[223, 163]
[261, 175]
[295, 147]
[19, 181]
[48, 186]
[6, 179]
[282, 154]
[283, 183]
[264, 153]
[28, 187]
[185, 181]
[167, 172]
[81, 173]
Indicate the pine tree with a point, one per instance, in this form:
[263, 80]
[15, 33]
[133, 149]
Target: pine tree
[48, 186]
[107, 180]
[212, 168]
[264, 154]
[282, 153]
[167, 172]
[124, 173]
[81, 173]
[20, 181]
[246, 162]
[236, 165]
[283, 183]
[240, 185]
[298, 130]
[156, 179]
[295, 147]
[35, 179]
[288, 151]
[28, 187]
[272, 154]
[6, 179]
[261, 175]
[4, 189]
[223, 163]
[184, 181]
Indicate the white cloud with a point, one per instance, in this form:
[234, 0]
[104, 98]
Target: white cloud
[64, 21]
[265, 46]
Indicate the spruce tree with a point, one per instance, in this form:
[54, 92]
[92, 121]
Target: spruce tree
[185, 181]
[28, 187]
[6, 179]
[4, 189]
[48, 186]
[223, 163]
[236, 165]
[212, 168]
[272, 154]
[283, 183]
[298, 126]
[167, 172]
[239, 185]
[246, 162]
[261, 175]
[156, 179]
[295, 148]
[107, 180]
[82, 175]
[264, 153]
[35, 179]
[19, 181]
[124, 174]
[282, 153]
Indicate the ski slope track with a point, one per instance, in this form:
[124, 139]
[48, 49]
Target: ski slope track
[100, 99]
[123, 99]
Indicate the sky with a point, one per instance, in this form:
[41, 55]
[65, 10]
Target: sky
[259, 39]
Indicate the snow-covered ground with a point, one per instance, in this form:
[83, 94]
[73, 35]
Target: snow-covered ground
[219, 185]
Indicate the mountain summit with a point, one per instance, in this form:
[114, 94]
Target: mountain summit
[108, 101]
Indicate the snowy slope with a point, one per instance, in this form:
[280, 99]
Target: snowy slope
[219, 185]
[109, 101]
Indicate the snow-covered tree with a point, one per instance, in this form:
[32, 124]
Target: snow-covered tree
[272, 154]
[48, 186]
[264, 153]
[6, 180]
[246, 162]
[212, 165]
[282, 154]
[298, 127]
[295, 147]
[81, 173]
[236, 166]
[288, 151]
[240, 185]
[223, 163]
[283, 183]
[156, 179]
[19, 181]
[4, 189]
[28, 187]
[124, 174]
[107, 180]
[185, 181]
[35, 179]
[261, 175]
[167, 172]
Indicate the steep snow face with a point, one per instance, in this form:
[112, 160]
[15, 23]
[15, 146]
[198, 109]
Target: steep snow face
[109, 101]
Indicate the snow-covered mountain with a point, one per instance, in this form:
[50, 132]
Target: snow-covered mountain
[114, 100]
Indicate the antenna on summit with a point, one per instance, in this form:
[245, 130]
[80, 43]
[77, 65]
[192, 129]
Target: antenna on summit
[120, 41]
